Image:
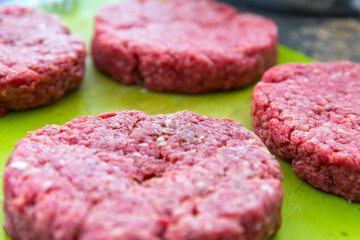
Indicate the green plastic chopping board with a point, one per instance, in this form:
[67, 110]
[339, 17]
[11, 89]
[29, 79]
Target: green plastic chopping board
[308, 213]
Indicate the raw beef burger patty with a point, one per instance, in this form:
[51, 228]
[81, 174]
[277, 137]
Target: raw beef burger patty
[183, 46]
[128, 175]
[39, 62]
[310, 114]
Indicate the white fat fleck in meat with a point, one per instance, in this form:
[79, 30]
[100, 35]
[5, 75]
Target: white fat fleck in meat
[42, 26]
[267, 188]
[287, 95]
[200, 185]
[62, 162]
[160, 139]
[136, 154]
[200, 139]
[19, 165]
[168, 122]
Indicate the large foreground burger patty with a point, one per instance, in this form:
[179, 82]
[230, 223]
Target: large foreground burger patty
[128, 175]
[310, 114]
[182, 46]
[39, 62]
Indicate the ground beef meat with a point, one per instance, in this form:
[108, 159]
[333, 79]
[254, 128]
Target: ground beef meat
[39, 62]
[186, 46]
[128, 175]
[310, 114]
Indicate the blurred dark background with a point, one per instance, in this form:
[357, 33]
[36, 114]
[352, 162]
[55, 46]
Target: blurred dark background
[326, 30]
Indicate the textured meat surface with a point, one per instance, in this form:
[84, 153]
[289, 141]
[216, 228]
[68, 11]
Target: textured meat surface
[310, 114]
[129, 175]
[39, 62]
[182, 46]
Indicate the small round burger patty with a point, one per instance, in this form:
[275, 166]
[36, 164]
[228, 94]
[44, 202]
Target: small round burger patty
[182, 46]
[310, 114]
[39, 62]
[129, 175]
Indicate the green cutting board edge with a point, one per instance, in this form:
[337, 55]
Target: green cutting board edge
[307, 213]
